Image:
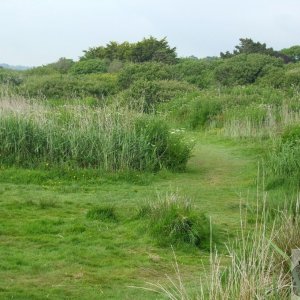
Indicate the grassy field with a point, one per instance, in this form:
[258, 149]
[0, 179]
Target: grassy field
[51, 249]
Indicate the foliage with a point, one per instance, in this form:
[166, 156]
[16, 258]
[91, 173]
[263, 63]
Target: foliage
[293, 52]
[144, 71]
[152, 49]
[145, 95]
[149, 49]
[89, 66]
[66, 86]
[248, 46]
[244, 69]
[63, 65]
[10, 77]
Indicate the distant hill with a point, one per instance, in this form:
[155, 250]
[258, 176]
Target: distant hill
[19, 68]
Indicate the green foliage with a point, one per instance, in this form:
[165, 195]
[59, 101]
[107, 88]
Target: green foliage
[10, 77]
[149, 49]
[145, 71]
[66, 86]
[63, 65]
[244, 69]
[194, 110]
[173, 221]
[199, 72]
[89, 66]
[248, 46]
[293, 52]
[145, 95]
[106, 213]
[282, 78]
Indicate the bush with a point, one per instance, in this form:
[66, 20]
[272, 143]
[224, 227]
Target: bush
[66, 86]
[144, 71]
[195, 110]
[10, 77]
[199, 72]
[89, 66]
[172, 221]
[145, 95]
[244, 69]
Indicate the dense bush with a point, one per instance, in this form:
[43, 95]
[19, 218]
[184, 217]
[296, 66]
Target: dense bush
[283, 78]
[145, 95]
[66, 86]
[10, 77]
[244, 69]
[199, 72]
[144, 71]
[89, 66]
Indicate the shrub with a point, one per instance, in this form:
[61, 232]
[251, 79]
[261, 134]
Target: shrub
[144, 71]
[199, 72]
[172, 220]
[10, 77]
[66, 86]
[145, 95]
[89, 66]
[244, 69]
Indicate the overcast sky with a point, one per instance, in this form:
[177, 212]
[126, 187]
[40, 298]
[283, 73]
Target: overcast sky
[35, 32]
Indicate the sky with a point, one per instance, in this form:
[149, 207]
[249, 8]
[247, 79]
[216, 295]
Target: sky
[36, 32]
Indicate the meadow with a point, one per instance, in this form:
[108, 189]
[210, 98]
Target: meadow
[137, 178]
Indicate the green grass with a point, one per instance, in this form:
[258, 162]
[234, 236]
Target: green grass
[49, 246]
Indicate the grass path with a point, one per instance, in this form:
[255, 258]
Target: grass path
[50, 250]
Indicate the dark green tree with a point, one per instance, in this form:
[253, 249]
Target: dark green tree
[293, 52]
[152, 49]
[248, 46]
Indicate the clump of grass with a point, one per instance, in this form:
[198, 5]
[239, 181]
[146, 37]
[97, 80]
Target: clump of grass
[105, 213]
[174, 221]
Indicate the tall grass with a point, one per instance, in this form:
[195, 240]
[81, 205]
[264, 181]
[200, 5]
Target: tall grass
[257, 264]
[109, 138]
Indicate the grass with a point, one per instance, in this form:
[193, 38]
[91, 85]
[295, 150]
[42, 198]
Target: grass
[53, 250]
[72, 229]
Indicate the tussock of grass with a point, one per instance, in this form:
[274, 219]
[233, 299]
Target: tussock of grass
[173, 221]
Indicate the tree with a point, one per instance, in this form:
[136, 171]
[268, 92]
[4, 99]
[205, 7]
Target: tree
[152, 49]
[248, 46]
[293, 52]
